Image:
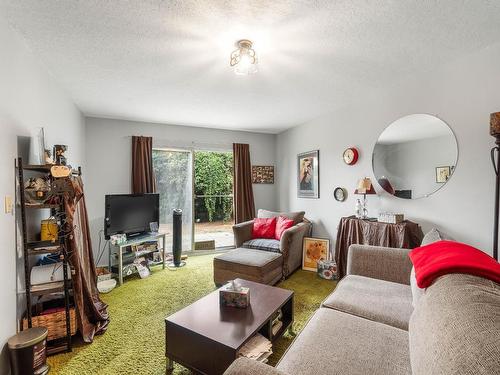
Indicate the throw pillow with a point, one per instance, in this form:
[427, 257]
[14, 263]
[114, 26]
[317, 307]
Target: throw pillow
[297, 217]
[282, 225]
[435, 235]
[264, 228]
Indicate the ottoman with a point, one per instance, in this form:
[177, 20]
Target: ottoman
[264, 267]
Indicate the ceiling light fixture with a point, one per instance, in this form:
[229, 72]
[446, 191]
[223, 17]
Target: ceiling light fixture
[244, 59]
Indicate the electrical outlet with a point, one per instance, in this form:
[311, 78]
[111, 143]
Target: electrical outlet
[9, 206]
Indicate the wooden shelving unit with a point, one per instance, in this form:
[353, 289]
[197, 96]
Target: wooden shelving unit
[37, 248]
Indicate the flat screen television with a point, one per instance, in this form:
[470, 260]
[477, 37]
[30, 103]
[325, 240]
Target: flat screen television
[130, 214]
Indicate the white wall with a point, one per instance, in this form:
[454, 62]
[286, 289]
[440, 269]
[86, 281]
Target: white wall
[29, 98]
[109, 144]
[463, 94]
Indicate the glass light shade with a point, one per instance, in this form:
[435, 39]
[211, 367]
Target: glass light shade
[244, 59]
[247, 65]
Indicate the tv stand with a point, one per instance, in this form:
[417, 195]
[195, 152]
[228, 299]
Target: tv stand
[135, 240]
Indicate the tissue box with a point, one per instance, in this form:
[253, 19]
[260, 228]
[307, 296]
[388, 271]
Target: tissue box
[234, 298]
[327, 269]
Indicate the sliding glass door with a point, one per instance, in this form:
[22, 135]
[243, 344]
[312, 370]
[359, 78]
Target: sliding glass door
[174, 183]
[200, 183]
[213, 200]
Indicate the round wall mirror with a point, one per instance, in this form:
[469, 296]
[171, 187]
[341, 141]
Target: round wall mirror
[415, 156]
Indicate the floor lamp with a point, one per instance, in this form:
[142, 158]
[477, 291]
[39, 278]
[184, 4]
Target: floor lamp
[495, 154]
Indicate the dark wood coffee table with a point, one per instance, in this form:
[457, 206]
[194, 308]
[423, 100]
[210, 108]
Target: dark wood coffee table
[205, 337]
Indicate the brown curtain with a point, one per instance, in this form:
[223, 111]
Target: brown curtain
[143, 179]
[91, 313]
[244, 206]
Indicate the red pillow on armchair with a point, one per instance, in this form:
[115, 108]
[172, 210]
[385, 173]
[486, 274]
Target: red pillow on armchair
[282, 225]
[264, 228]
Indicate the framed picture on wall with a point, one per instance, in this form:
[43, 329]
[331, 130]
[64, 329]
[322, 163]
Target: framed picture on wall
[262, 174]
[314, 250]
[442, 174]
[308, 174]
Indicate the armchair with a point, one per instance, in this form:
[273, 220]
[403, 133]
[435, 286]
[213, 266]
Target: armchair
[263, 260]
[290, 245]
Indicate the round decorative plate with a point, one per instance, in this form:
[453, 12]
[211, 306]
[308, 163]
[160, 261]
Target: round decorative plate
[340, 194]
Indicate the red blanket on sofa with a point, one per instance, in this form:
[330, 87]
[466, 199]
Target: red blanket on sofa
[444, 257]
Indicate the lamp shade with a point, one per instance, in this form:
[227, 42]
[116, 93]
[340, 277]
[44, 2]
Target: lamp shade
[365, 186]
[495, 124]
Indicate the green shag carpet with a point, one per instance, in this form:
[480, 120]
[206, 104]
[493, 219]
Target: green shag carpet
[135, 340]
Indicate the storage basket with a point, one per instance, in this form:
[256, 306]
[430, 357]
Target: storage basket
[54, 322]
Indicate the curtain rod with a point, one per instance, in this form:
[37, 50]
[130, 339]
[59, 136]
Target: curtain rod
[160, 142]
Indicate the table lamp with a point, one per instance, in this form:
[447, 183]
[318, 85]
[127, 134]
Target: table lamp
[365, 187]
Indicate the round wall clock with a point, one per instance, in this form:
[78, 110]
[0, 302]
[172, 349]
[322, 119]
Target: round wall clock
[350, 156]
[340, 194]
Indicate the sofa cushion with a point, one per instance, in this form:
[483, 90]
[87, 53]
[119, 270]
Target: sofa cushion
[265, 244]
[297, 217]
[334, 342]
[378, 300]
[455, 328]
[434, 235]
[254, 265]
[247, 366]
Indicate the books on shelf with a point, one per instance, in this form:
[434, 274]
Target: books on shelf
[276, 327]
[258, 348]
[142, 267]
[145, 247]
[276, 322]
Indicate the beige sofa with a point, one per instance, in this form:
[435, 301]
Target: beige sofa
[374, 324]
[265, 261]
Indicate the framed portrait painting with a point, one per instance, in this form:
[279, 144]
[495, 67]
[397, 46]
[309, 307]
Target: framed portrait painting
[308, 174]
[314, 250]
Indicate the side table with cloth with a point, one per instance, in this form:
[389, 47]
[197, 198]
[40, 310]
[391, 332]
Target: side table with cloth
[351, 230]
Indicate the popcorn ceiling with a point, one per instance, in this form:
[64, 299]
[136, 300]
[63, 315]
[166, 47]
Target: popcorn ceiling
[168, 61]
